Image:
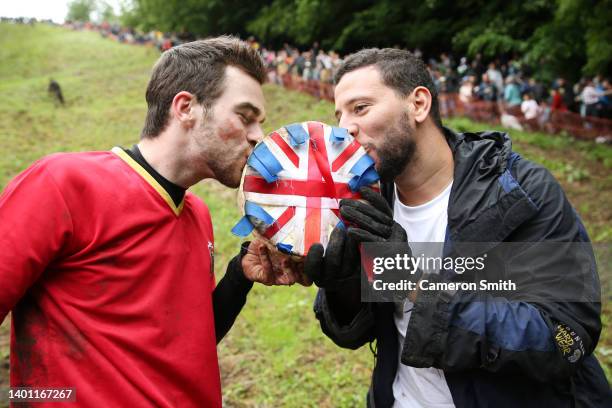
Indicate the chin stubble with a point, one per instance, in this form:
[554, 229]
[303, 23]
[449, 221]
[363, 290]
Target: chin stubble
[397, 150]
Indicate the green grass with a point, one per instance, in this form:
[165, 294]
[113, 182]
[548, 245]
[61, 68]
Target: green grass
[275, 355]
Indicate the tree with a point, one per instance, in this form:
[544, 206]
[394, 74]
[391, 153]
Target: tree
[105, 12]
[560, 37]
[200, 17]
[80, 10]
[576, 41]
[303, 22]
[598, 37]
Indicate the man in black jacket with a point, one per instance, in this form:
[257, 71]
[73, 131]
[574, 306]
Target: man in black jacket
[447, 348]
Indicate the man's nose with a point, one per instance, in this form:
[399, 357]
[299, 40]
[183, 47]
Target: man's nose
[255, 134]
[352, 128]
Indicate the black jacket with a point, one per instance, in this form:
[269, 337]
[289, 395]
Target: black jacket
[495, 352]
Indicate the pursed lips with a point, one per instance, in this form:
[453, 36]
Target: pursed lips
[369, 149]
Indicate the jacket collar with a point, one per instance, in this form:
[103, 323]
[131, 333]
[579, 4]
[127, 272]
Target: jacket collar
[480, 209]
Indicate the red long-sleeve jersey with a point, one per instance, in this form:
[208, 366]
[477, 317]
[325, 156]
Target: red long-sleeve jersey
[109, 283]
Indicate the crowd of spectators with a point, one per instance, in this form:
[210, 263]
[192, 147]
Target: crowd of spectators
[506, 85]
[313, 64]
[508, 82]
[512, 84]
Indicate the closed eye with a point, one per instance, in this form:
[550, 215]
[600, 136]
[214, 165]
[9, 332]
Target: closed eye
[359, 108]
[244, 118]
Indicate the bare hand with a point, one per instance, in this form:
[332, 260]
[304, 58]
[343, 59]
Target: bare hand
[260, 265]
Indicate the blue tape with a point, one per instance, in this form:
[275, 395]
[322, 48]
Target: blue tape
[284, 248]
[369, 176]
[338, 135]
[265, 163]
[243, 227]
[253, 210]
[362, 165]
[255, 163]
[341, 225]
[297, 134]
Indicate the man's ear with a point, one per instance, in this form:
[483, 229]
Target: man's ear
[420, 101]
[183, 108]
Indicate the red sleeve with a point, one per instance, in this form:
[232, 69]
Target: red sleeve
[35, 224]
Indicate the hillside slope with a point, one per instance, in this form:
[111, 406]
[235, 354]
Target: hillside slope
[275, 355]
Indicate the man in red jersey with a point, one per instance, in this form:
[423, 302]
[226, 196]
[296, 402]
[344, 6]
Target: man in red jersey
[106, 260]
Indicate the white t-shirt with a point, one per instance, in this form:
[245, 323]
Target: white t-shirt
[420, 387]
[590, 95]
[530, 109]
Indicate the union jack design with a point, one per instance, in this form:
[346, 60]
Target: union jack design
[294, 181]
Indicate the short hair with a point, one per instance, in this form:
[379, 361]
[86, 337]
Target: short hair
[400, 70]
[197, 67]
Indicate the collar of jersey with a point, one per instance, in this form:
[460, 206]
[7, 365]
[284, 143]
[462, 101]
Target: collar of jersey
[149, 179]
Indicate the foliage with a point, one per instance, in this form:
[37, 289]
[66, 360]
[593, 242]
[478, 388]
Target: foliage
[200, 17]
[559, 45]
[105, 12]
[80, 10]
[561, 37]
[598, 38]
[91, 10]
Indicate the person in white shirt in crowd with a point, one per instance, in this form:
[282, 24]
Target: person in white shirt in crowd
[589, 97]
[529, 107]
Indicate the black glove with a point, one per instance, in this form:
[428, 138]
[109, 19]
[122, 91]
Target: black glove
[372, 220]
[339, 267]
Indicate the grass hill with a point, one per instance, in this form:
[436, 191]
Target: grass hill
[275, 355]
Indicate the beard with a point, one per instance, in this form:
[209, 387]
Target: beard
[226, 173]
[222, 158]
[225, 168]
[397, 150]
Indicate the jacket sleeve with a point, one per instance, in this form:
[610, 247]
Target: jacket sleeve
[353, 335]
[545, 338]
[35, 227]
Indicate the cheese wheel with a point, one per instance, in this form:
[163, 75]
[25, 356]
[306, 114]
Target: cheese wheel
[293, 183]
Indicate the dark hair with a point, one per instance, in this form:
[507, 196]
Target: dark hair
[197, 67]
[400, 70]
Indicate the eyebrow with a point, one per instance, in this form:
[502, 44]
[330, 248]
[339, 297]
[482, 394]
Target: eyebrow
[249, 106]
